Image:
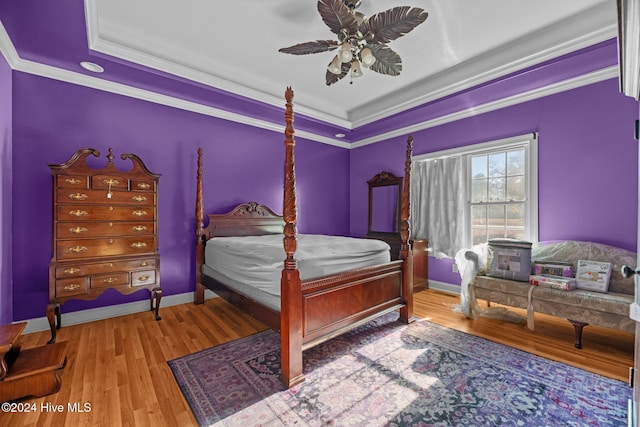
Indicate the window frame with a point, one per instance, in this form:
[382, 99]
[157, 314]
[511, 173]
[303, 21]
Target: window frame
[529, 142]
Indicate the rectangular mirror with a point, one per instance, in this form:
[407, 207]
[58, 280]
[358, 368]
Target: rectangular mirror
[384, 203]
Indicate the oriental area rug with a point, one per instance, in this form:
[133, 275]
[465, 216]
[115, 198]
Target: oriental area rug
[390, 374]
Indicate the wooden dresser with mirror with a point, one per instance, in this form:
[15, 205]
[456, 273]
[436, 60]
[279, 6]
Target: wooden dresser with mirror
[385, 190]
[105, 232]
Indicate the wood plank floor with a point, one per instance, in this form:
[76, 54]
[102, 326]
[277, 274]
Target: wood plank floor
[118, 366]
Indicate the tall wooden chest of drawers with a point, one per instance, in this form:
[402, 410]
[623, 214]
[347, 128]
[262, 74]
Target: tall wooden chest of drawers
[105, 232]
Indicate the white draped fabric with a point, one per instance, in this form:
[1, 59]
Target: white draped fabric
[439, 210]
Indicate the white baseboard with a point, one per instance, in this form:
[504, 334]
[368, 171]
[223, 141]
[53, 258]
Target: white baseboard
[444, 287]
[100, 313]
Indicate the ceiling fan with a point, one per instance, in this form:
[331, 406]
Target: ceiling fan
[361, 41]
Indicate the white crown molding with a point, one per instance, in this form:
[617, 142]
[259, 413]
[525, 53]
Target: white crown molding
[584, 80]
[99, 44]
[578, 30]
[7, 48]
[42, 70]
[585, 29]
[16, 63]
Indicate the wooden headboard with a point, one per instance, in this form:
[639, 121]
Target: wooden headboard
[247, 219]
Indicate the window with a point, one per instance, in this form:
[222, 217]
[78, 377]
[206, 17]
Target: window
[498, 195]
[493, 194]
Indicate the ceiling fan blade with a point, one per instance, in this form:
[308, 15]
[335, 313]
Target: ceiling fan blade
[391, 24]
[387, 61]
[310, 47]
[332, 78]
[337, 16]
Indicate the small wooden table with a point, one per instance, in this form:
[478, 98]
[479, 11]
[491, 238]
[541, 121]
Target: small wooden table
[33, 372]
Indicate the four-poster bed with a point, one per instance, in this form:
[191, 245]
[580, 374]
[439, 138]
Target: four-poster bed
[308, 310]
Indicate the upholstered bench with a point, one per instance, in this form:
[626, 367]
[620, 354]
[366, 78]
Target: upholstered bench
[580, 307]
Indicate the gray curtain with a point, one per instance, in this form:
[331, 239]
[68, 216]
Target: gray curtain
[439, 210]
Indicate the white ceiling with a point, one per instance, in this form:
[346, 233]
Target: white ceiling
[233, 45]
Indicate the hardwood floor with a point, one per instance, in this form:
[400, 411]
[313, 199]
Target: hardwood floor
[118, 366]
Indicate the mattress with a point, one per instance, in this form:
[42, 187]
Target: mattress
[257, 261]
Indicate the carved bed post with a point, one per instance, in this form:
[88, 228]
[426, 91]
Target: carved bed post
[198, 297]
[290, 284]
[406, 312]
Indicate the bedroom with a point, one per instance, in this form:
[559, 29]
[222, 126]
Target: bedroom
[586, 143]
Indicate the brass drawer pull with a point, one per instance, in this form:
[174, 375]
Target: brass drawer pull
[139, 198]
[110, 280]
[78, 230]
[139, 228]
[111, 182]
[139, 213]
[143, 185]
[78, 212]
[71, 287]
[78, 249]
[143, 264]
[71, 270]
[139, 245]
[143, 278]
[72, 181]
[78, 196]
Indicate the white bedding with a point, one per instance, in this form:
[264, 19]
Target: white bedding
[258, 260]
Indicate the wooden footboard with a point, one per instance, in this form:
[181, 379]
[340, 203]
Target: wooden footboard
[336, 304]
[316, 310]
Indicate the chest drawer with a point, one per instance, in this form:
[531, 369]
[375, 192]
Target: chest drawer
[71, 195]
[88, 229]
[106, 280]
[69, 287]
[104, 213]
[143, 185]
[141, 278]
[72, 181]
[83, 269]
[88, 248]
[109, 182]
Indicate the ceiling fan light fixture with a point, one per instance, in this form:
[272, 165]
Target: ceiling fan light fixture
[359, 17]
[367, 57]
[335, 67]
[345, 52]
[356, 70]
[360, 38]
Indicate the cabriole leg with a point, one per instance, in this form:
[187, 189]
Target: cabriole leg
[156, 294]
[53, 314]
[578, 327]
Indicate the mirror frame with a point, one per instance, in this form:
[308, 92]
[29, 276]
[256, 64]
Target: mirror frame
[385, 179]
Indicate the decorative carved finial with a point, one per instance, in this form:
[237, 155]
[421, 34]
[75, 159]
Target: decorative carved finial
[110, 156]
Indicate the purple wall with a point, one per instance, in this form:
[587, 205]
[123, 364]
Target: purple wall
[241, 163]
[588, 164]
[6, 100]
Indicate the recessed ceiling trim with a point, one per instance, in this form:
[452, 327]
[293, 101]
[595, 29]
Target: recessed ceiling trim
[479, 70]
[117, 50]
[576, 82]
[42, 70]
[7, 48]
[9, 52]
[482, 69]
